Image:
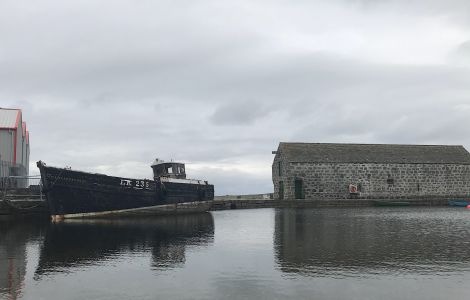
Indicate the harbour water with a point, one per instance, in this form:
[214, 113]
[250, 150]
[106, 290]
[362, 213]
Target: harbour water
[322, 253]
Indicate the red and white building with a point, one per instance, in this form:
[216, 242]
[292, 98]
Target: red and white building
[14, 143]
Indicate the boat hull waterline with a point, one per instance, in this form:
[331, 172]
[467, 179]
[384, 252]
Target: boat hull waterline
[165, 209]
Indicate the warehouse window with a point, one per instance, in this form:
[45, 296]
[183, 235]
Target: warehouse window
[279, 165]
[281, 190]
[390, 180]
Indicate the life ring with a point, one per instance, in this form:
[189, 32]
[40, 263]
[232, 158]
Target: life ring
[353, 189]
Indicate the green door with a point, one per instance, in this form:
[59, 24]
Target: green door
[299, 189]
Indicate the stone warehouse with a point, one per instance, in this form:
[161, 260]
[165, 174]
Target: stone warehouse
[370, 171]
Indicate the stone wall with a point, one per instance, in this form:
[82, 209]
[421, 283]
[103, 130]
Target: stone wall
[375, 181]
[279, 164]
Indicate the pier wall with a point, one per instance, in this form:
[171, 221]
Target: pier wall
[39, 207]
[265, 196]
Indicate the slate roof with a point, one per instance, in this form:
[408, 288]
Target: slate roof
[373, 153]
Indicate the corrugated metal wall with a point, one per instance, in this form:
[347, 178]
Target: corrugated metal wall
[19, 142]
[8, 167]
[11, 169]
[6, 144]
[27, 157]
[23, 145]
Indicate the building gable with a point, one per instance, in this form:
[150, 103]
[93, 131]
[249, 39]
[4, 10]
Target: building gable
[9, 118]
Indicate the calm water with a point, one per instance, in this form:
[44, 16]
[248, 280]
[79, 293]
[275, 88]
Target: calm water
[370, 253]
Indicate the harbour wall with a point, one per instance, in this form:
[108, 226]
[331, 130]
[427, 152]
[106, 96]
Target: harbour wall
[265, 196]
[38, 207]
[314, 203]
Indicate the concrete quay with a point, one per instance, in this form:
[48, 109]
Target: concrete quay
[226, 204]
[243, 204]
[38, 207]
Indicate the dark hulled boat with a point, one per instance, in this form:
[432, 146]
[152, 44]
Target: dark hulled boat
[71, 193]
[459, 203]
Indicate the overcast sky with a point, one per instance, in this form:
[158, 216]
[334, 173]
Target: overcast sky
[108, 86]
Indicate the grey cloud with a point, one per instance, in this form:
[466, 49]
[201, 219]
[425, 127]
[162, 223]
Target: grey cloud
[458, 8]
[462, 53]
[239, 113]
[210, 83]
[361, 104]
[229, 183]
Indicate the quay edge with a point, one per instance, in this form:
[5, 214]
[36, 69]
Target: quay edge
[316, 203]
[40, 208]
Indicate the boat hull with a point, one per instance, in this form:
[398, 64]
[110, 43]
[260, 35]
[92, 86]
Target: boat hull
[71, 193]
[459, 203]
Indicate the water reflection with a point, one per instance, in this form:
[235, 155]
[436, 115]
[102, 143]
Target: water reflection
[80, 243]
[329, 242]
[14, 237]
